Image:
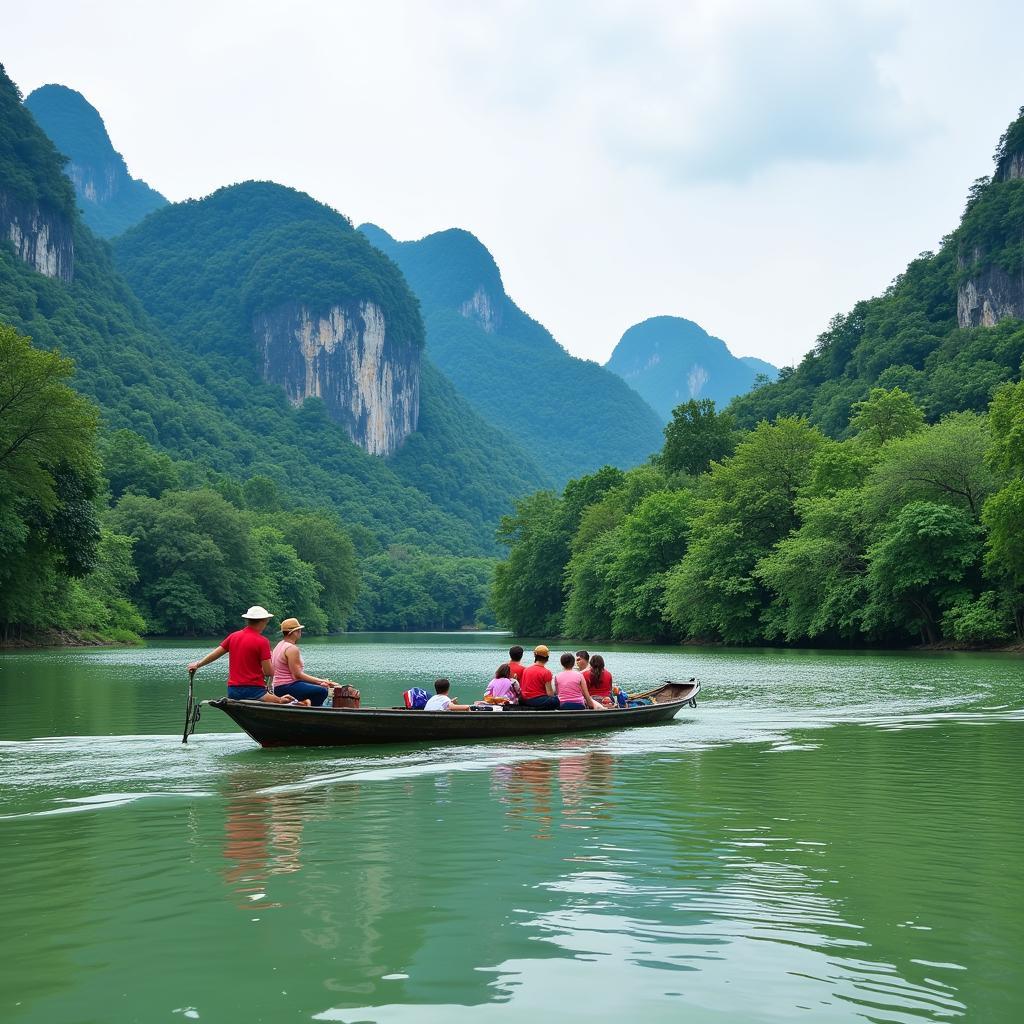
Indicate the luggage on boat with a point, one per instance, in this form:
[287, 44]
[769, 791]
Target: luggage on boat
[416, 698]
[345, 697]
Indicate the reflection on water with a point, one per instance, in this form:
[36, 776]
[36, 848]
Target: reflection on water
[827, 838]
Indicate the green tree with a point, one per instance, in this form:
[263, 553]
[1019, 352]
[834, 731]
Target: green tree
[132, 465]
[747, 506]
[918, 568]
[197, 564]
[650, 541]
[944, 462]
[884, 415]
[697, 436]
[527, 594]
[49, 527]
[322, 542]
[819, 573]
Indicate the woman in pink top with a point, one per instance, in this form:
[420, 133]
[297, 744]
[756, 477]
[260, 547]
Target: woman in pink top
[571, 688]
[290, 676]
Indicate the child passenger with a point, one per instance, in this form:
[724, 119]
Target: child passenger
[503, 688]
[571, 688]
[441, 701]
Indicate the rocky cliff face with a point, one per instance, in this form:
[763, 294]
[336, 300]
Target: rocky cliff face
[993, 293]
[369, 383]
[483, 310]
[43, 240]
[990, 296]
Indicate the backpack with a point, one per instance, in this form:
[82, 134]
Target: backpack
[416, 698]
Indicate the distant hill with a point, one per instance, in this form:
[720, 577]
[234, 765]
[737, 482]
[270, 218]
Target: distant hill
[572, 415]
[110, 198]
[948, 330]
[669, 360]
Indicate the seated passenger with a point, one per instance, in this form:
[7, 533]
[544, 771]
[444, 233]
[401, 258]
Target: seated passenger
[290, 676]
[538, 692]
[441, 701]
[599, 680]
[571, 688]
[503, 688]
[515, 663]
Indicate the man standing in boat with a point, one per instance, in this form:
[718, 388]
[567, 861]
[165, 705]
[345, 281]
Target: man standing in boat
[249, 665]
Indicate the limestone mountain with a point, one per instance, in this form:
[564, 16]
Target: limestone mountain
[669, 360]
[948, 329]
[193, 385]
[571, 414]
[263, 283]
[260, 271]
[111, 200]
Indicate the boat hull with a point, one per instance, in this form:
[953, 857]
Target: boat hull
[277, 725]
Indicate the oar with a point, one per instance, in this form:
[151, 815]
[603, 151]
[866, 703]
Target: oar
[189, 705]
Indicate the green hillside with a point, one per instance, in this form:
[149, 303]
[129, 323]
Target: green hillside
[109, 197]
[204, 485]
[510, 369]
[202, 268]
[876, 496]
[910, 336]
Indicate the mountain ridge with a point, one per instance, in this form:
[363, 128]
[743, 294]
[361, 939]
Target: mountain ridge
[510, 368]
[110, 198]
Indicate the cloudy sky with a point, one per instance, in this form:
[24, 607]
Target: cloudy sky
[754, 166]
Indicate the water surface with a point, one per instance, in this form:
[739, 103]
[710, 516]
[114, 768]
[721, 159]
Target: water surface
[828, 837]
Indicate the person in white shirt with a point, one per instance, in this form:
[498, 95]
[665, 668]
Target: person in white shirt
[441, 701]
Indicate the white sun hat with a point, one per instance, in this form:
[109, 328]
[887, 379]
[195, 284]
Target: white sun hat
[257, 611]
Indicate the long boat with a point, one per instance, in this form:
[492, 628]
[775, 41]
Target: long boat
[285, 725]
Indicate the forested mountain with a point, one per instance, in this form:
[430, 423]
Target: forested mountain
[669, 360]
[109, 197]
[206, 483]
[947, 330]
[510, 368]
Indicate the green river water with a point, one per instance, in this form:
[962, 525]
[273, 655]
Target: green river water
[827, 837]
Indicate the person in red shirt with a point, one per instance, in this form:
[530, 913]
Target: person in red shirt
[537, 688]
[515, 666]
[599, 680]
[249, 665]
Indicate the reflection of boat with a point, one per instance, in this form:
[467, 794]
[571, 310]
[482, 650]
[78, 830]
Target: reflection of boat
[282, 725]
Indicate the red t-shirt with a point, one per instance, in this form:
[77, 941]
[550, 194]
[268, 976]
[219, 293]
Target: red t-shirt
[533, 681]
[516, 669]
[247, 650]
[601, 689]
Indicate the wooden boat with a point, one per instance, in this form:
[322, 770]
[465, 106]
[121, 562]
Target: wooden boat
[282, 725]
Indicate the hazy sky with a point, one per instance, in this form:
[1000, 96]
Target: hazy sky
[754, 166]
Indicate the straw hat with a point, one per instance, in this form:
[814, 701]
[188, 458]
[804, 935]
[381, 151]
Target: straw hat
[257, 612]
[290, 625]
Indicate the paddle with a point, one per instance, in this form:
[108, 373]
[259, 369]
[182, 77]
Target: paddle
[191, 711]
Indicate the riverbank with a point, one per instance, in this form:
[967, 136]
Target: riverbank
[70, 638]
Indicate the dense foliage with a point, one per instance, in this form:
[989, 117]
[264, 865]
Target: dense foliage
[901, 532]
[31, 169]
[572, 414]
[188, 430]
[77, 130]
